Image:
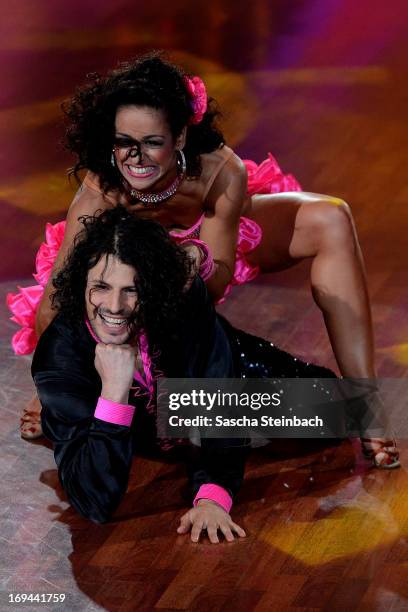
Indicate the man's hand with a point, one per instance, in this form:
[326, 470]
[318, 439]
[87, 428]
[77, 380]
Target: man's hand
[115, 365]
[210, 516]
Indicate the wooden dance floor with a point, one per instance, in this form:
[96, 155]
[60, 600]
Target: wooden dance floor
[322, 85]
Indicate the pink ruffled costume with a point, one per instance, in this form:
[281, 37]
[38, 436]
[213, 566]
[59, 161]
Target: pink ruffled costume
[264, 178]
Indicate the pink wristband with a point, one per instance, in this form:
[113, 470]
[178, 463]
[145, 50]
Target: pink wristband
[214, 493]
[207, 265]
[112, 412]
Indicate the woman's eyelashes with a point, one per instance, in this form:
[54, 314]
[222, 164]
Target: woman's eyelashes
[128, 143]
[153, 143]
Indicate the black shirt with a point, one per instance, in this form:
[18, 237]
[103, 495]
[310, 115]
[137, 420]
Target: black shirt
[93, 456]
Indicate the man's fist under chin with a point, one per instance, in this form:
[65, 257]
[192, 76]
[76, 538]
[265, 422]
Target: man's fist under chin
[115, 364]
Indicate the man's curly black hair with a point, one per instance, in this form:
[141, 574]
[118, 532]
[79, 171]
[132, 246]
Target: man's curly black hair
[162, 269]
[149, 80]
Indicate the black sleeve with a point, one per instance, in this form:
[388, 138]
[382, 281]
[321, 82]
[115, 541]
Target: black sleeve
[218, 461]
[93, 456]
[209, 355]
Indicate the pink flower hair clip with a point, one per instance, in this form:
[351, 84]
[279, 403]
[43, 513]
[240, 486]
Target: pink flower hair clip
[196, 89]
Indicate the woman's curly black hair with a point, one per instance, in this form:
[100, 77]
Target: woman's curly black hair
[162, 269]
[149, 80]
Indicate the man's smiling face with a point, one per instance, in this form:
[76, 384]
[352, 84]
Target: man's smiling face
[111, 299]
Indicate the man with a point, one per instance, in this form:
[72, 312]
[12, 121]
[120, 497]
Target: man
[124, 319]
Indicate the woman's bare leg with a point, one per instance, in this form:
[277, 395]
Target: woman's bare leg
[297, 226]
[30, 421]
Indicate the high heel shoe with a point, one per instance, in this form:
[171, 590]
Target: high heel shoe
[383, 453]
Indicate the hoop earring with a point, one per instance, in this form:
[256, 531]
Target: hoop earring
[181, 162]
[113, 161]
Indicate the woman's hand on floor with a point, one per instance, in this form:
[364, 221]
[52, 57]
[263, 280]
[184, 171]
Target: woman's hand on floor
[210, 516]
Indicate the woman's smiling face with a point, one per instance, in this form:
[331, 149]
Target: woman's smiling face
[144, 147]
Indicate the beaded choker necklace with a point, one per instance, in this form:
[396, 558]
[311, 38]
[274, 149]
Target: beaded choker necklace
[152, 199]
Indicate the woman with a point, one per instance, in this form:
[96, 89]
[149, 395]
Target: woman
[146, 133]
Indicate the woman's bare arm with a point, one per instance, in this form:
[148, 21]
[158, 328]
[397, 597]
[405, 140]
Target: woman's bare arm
[86, 202]
[219, 229]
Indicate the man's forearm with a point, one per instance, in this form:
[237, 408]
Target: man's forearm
[218, 464]
[93, 453]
